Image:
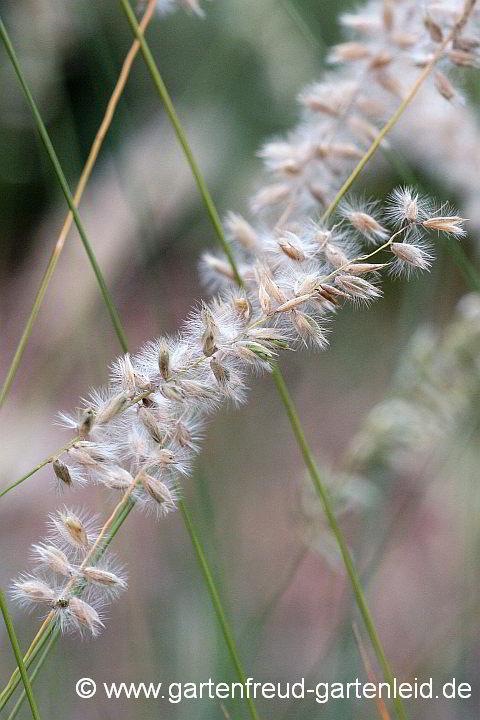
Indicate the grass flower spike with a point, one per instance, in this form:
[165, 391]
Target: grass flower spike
[142, 441]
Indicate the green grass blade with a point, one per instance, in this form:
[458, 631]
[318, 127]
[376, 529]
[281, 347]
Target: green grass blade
[53, 639]
[66, 190]
[216, 602]
[18, 656]
[182, 138]
[84, 177]
[28, 328]
[332, 520]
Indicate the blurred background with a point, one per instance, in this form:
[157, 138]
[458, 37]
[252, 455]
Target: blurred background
[405, 479]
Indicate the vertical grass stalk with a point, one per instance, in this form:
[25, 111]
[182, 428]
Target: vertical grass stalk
[18, 656]
[84, 177]
[182, 138]
[64, 186]
[51, 642]
[335, 527]
[217, 604]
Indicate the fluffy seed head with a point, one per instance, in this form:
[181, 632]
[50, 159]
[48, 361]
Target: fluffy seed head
[90, 453]
[183, 436]
[71, 529]
[241, 231]
[434, 30]
[444, 86]
[164, 361]
[364, 221]
[217, 266]
[103, 578]
[243, 308]
[463, 58]
[270, 195]
[173, 392]
[319, 193]
[293, 303]
[264, 298]
[357, 287]
[116, 478]
[31, 590]
[165, 456]
[127, 373]
[62, 472]
[53, 558]
[86, 422]
[111, 408]
[367, 225]
[364, 268]
[308, 329]
[222, 375]
[412, 255]
[83, 616]
[335, 255]
[269, 286]
[405, 206]
[348, 52]
[450, 224]
[158, 491]
[209, 333]
[151, 424]
[291, 250]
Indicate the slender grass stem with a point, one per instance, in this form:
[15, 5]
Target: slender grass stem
[182, 138]
[84, 177]
[40, 466]
[66, 191]
[18, 656]
[30, 656]
[301, 24]
[379, 702]
[216, 602]
[457, 27]
[51, 642]
[330, 514]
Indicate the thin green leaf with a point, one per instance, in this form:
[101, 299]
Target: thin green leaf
[18, 656]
